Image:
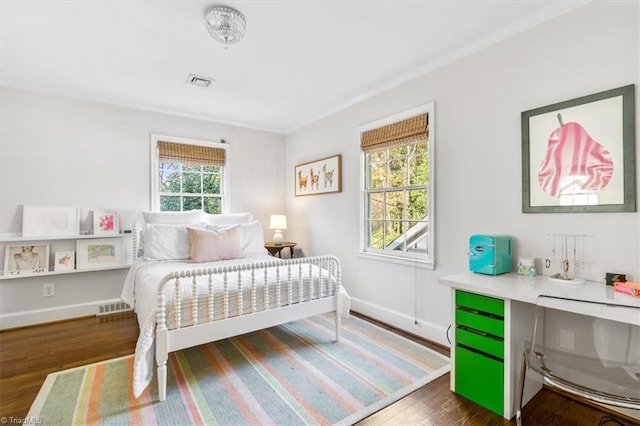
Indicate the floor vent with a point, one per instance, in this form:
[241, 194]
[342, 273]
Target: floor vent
[110, 308]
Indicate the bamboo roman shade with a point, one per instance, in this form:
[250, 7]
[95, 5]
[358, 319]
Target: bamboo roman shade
[405, 132]
[190, 154]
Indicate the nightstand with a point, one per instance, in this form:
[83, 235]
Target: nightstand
[274, 248]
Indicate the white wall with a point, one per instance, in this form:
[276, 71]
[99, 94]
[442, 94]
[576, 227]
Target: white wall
[56, 150]
[478, 101]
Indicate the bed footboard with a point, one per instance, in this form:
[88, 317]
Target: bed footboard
[212, 303]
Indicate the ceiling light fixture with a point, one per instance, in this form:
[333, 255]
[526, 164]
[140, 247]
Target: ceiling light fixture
[225, 24]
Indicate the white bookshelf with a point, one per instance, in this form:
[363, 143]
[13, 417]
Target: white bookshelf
[62, 243]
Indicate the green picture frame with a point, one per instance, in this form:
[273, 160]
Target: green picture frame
[578, 156]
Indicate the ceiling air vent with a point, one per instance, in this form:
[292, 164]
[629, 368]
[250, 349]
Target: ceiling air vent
[198, 80]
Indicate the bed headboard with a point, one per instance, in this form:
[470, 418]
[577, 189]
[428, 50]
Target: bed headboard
[184, 218]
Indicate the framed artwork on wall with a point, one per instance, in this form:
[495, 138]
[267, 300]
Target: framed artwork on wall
[50, 221]
[26, 259]
[105, 222]
[579, 155]
[319, 177]
[96, 253]
[64, 261]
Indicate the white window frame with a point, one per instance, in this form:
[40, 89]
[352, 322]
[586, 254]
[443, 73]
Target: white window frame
[427, 260]
[226, 174]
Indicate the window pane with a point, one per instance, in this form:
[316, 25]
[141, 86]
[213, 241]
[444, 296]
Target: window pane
[196, 168]
[394, 205]
[418, 170]
[397, 152]
[418, 241]
[378, 175]
[376, 234]
[394, 230]
[191, 183]
[420, 148]
[169, 203]
[398, 172]
[417, 207]
[211, 184]
[212, 205]
[376, 206]
[191, 203]
[169, 180]
[212, 169]
[377, 156]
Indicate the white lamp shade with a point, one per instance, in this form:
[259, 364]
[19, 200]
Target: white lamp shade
[278, 221]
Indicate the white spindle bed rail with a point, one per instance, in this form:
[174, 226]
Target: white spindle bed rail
[311, 286]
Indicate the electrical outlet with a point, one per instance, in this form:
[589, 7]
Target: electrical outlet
[48, 290]
[567, 339]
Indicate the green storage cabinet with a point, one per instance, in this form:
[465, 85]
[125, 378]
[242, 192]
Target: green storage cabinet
[479, 350]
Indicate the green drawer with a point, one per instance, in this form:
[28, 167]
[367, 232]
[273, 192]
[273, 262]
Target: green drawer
[490, 305]
[480, 379]
[490, 325]
[482, 343]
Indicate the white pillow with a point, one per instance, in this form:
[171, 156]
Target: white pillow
[211, 246]
[173, 218]
[227, 219]
[167, 242]
[252, 237]
[166, 218]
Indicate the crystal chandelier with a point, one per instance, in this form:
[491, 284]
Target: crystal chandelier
[225, 24]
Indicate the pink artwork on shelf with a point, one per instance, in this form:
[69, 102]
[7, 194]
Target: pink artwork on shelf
[571, 152]
[106, 222]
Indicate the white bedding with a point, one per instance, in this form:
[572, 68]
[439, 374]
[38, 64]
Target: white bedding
[141, 287]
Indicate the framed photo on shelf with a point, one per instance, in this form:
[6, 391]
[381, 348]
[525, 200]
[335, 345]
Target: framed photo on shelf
[27, 259]
[96, 253]
[64, 261]
[50, 221]
[105, 222]
[579, 155]
[319, 177]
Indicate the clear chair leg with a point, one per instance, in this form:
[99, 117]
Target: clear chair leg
[520, 395]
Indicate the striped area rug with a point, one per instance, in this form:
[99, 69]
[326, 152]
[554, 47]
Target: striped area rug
[292, 374]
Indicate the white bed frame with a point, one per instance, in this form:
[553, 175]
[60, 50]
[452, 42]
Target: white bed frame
[261, 315]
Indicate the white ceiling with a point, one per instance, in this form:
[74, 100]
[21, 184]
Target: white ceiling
[299, 61]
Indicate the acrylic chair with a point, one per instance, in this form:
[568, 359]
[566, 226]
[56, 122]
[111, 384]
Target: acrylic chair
[587, 349]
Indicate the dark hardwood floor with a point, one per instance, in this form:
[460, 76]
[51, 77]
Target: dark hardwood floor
[28, 355]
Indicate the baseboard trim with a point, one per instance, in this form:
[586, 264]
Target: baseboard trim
[424, 329]
[59, 313]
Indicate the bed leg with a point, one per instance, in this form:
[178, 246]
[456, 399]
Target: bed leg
[338, 326]
[162, 381]
[162, 354]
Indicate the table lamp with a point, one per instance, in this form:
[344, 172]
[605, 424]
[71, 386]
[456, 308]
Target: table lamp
[278, 223]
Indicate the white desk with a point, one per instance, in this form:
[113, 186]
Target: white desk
[520, 295]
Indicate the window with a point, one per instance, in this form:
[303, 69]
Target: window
[188, 175]
[397, 201]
